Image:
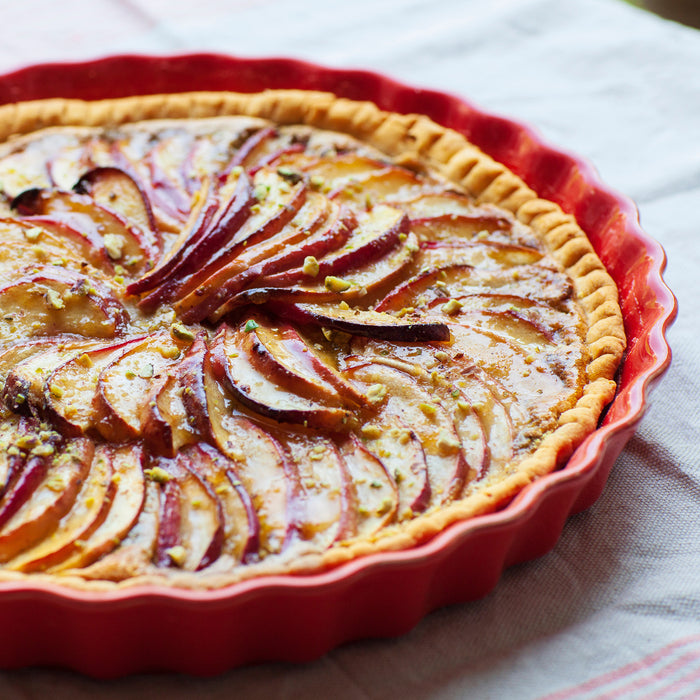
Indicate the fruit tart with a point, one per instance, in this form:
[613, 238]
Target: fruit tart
[252, 334]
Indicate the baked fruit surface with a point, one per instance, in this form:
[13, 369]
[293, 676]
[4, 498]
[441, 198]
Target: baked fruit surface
[254, 334]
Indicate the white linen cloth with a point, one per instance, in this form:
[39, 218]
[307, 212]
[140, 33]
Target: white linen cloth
[614, 609]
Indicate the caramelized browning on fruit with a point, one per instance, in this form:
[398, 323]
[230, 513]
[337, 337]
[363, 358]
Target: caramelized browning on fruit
[229, 345]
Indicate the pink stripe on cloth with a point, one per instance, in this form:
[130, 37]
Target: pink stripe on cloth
[640, 675]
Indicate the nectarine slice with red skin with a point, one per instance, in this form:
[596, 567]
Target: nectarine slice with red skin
[277, 349]
[270, 159]
[241, 525]
[69, 390]
[408, 403]
[115, 155]
[369, 282]
[12, 355]
[248, 268]
[56, 240]
[249, 150]
[376, 234]
[44, 493]
[123, 386]
[126, 506]
[129, 246]
[176, 410]
[390, 185]
[482, 254]
[372, 324]
[334, 172]
[273, 215]
[25, 385]
[190, 517]
[10, 462]
[258, 462]
[169, 191]
[202, 519]
[377, 498]
[165, 426]
[23, 486]
[201, 215]
[53, 301]
[116, 190]
[324, 503]
[87, 513]
[256, 391]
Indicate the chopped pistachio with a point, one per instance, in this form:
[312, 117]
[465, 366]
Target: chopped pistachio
[180, 331]
[177, 554]
[404, 436]
[336, 284]
[442, 356]
[452, 307]
[376, 393]
[146, 371]
[260, 192]
[371, 431]
[405, 310]
[251, 325]
[26, 442]
[169, 352]
[31, 234]
[316, 453]
[385, 506]
[428, 409]
[311, 266]
[84, 360]
[54, 299]
[56, 482]
[56, 391]
[291, 176]
[447, 444]
[344, 305]
[129, 374]
[327, 334]
[114, 245]
[157, 474]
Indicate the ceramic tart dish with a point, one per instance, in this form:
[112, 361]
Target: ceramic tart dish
[293, 350]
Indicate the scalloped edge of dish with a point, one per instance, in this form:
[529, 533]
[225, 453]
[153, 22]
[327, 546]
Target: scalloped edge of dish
[368, 597]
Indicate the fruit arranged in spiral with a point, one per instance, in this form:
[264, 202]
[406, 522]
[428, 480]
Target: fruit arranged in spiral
[225, 343]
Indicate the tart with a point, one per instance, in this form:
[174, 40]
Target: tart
[262, 334]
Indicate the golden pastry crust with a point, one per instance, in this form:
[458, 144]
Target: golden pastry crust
[418, 143]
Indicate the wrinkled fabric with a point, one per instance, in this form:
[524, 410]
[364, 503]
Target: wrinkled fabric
[614, 609]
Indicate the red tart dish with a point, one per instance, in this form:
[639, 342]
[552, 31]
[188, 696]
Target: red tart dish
[297, 349]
